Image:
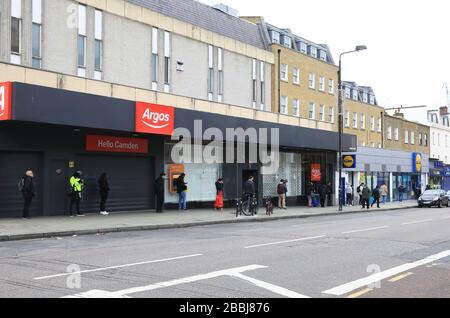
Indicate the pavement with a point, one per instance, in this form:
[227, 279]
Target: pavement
[59, 226]
[393, 254]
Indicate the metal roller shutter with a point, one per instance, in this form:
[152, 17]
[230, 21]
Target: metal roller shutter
[13, 166]
[130, 179]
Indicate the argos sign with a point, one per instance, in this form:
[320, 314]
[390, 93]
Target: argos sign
[5, 101]
[154, 119]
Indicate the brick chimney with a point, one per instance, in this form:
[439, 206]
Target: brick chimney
[443, 110]
[398, 114]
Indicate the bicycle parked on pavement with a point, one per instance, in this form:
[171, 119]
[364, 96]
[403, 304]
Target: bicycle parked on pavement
[248, 205]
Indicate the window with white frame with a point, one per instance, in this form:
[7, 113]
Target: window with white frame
[98, 44]
[347, 119]
[296, 107]
[81, 40]
[389, 133]
[303, 48]
[155, 59]
[313, 51]
[312, 80]
[379, 124]
[284, 72]
[347, 92]
[406, 137]
[322, 84]
[322, 113]
[363, 121]
[323, 55]
[331, 87]
[275, 37]
[312, 111]
[210, 79]
[331, 114]
[420, 139]
[36, 33]
[365, 97]
[287, 42]
[425, 140]
[167, 55]
[412, 138]
[220, 77]
[262, 77]
[16, 31]
[372, 123]
[284, 105]
[254, 86]
[372, 99]
[355, 120]
[296, 76]
[355, 94]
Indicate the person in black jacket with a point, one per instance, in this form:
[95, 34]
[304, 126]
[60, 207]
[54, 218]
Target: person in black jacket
[219, 194]
[181, 190]
[323, 190]
[159, 191]
[376, 197]
[28, 193]
[104, 192]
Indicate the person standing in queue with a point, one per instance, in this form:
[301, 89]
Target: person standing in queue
[181, 190]
[323, 191]
[104, 192]
[310, 193]
[366, 193]
[76, 186]
[28, 192]
[376, 197]
[281, 190]
[159, 191]
[219, 196]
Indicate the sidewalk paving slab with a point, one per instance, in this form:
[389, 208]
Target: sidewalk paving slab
[61, 226]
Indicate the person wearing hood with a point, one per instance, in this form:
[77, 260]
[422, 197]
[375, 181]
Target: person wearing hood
[76, 186]
[28, 192]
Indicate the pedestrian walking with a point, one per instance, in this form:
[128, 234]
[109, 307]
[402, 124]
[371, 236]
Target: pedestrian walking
[282, 190]
[219, 194]
[359, 191]
[323, 190]
[26, 186]
[366, 193]
[103, 186]
[159, 192]
[401, 190]
[384, 192]
[181, 190]
[349, 194]
[376, 197]
[76, 187]
[309, 193]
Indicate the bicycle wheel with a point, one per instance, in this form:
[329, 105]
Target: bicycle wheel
[247, 208]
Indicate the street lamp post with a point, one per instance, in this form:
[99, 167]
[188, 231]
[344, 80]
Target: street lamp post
[340, 118]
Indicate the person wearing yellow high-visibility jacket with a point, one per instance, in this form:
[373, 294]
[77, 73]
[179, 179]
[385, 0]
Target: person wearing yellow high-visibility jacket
[76, 186]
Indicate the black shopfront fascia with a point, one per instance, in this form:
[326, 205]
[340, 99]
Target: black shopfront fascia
[32, 103]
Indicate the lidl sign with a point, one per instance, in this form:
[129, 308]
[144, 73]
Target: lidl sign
[349, 161]
[416, 162]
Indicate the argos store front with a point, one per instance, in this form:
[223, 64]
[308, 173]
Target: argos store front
[55, 133]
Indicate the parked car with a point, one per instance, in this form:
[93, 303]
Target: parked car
[431, 198]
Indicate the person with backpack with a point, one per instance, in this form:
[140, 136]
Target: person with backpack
[282, 190]
[26, 186]
[376, 197]
[365, 194]
[76, 186]
[181, 190]
[104, 192]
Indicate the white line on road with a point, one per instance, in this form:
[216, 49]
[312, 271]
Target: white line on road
[190, 279]
[289, 241]
[119, 266]
[365, 230]
[446, 217]
[271, 287]
[416, 222]
[346, 288]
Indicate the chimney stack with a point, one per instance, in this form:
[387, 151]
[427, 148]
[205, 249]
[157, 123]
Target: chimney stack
[398, 114]
[443, 110]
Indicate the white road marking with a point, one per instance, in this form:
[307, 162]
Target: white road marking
[346, 288]
[119, 266]
[446, 217]
[416, 222]
[233, 272]
[271, 287]
[289, 241]
[365, 230]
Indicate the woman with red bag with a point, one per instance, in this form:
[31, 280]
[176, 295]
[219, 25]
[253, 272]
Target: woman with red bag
[219, 197]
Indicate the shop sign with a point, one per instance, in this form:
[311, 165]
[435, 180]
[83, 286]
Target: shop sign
[438, 164]
[154, 119]
[416, 162]
[349, 161]
[116, 144]
[5, 100]
[316, 175]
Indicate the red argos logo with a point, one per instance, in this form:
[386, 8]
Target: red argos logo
[154, 119]
[5, 101]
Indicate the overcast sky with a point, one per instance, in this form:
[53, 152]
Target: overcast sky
[408, 57]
